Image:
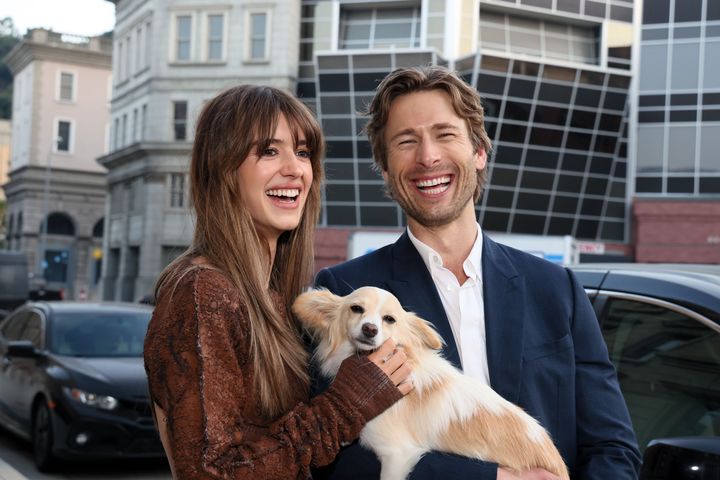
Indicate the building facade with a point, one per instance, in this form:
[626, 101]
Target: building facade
[575, 118]
[677, 184]
[5, 141]
[56, 191]
[555, 78]
[168, 59]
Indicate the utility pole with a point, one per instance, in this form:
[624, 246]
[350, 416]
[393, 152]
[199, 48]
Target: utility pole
[41, 264]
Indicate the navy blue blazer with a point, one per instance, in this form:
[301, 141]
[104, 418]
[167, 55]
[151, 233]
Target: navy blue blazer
[545, 353]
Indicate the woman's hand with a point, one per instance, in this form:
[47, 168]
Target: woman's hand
[393, 361]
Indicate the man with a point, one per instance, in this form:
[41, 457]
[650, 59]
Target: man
[517, 322]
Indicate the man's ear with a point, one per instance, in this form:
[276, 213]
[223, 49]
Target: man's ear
[480, 159]
[426, 333]
[316, 308]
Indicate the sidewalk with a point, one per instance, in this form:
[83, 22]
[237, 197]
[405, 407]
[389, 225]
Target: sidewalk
[9, 473]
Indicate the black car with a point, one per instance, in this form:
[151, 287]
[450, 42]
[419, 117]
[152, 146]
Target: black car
[662, 328]
[72, 381]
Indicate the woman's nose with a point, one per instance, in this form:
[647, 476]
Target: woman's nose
[291, 165]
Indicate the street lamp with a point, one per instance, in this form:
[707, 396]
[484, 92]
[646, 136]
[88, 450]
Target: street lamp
[41, 264]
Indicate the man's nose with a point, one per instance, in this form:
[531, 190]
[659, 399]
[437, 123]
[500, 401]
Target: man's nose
[429, 152]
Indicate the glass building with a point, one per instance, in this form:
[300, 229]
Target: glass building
[555, 77]
[678, 133]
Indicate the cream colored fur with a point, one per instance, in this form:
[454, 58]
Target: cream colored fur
[446, 411]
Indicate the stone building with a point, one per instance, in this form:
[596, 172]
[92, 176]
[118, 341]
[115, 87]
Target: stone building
[168, 59]
[56, 192]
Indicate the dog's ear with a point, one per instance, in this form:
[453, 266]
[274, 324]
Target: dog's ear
[316, 308]
[426, 333]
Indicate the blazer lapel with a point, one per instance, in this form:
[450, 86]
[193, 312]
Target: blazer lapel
[503, 292]
[412, 284]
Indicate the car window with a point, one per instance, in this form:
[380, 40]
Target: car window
[668, 366]
[104, 333]
[33, 329]
[13, 326]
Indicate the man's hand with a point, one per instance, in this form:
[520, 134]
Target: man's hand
[533, 474]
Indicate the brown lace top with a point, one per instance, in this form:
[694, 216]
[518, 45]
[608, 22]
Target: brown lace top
[200, 374]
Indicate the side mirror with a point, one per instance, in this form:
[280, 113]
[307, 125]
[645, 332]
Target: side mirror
[21, 348]
[682, 458]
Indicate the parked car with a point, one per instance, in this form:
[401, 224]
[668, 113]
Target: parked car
[662, 328]
[14, 280]
[72, 381]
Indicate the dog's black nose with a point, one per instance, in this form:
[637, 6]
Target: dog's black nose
[369, 330]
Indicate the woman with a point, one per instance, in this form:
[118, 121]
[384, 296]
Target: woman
[226, 365]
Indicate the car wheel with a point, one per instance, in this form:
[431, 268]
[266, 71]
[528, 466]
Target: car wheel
[42, 438]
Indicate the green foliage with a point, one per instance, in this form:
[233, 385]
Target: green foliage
[8, 39]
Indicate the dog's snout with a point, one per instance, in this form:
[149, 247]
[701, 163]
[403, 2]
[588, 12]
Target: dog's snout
[369, 330]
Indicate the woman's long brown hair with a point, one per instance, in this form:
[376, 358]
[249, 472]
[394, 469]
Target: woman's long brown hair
[236, 123]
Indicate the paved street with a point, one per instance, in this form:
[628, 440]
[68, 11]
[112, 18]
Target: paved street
[16, 464]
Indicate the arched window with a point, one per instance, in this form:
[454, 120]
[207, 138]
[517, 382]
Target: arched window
[11, 225]
[59, 224]
[19, 225]
[99, 228]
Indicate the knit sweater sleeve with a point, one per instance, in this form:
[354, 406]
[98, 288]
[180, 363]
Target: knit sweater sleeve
[212, 431]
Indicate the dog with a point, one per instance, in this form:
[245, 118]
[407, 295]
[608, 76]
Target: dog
[446, 411]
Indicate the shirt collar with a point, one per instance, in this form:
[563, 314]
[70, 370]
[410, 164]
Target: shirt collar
[472, 264]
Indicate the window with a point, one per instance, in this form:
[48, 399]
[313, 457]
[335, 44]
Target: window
[128, 55]
[183, 37]
[120, 63]
[67, 87]
[180, 120]
[139, 49]
[63, 136]
[26, 325]
[177, 190]
[13, 327]
[143, 122]
[215, 37]
[135, 126]
[148, 44]
[198, 36]
[60, 224]
[56, 265]
[116, 134]
[511, 33]
[378, 28]
[667, 365]
[258, 45]
[123, 132]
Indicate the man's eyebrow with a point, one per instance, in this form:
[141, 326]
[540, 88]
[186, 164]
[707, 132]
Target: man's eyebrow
[407, 131]
[444, 126]
[436, 126]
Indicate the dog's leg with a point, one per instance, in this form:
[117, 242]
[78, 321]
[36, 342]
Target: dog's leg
[399, 464]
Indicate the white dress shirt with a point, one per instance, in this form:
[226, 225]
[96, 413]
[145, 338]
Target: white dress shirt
[463, 304]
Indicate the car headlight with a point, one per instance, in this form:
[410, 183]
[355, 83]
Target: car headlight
[104, 402]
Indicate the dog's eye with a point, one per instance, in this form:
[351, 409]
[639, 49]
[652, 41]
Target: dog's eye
[388, 319]
[357, 309]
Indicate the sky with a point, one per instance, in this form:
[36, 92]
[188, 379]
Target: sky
[77, 17]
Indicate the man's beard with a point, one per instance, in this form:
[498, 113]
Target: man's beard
[431, 218]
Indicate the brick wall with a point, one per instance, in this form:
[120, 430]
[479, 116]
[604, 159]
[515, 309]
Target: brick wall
[676, 231]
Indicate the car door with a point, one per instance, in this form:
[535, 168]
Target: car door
[27, 373]
[11, 330]
[19, 374]
[668, 362]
